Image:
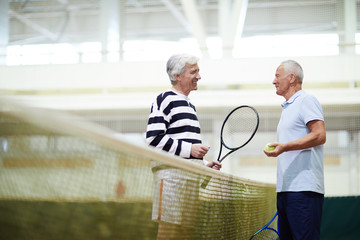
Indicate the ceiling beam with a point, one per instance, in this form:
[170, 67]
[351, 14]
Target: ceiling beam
[197, 25]
[239, 14]
[232, 16]
[224, 21]
[45, 32]
[111, 26]
[347, 26]
[177, 14]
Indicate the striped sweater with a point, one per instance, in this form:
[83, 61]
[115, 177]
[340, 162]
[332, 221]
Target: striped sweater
[173, 125]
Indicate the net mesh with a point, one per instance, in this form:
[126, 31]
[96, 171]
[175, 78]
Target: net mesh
[65, 178]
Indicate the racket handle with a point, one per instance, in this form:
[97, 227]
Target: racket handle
[205, 182]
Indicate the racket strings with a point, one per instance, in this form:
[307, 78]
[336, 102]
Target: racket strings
[239, 127]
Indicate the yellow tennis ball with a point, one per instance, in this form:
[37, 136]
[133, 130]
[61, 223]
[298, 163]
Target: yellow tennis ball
[268, 148]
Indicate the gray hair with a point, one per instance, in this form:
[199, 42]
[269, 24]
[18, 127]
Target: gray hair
[177, 65]
[291, 66]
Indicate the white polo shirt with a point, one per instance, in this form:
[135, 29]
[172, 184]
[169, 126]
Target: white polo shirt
[299, 170]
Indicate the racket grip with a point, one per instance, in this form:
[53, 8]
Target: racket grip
[205, 182]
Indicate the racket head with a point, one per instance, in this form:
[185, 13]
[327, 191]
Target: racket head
[266, 233]
[239, 127]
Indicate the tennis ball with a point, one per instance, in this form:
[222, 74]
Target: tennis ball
[267, 148]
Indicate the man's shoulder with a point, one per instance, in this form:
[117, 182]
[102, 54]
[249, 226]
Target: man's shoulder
[166, 94]
[304, 96]
[308, 97]
[166, 98]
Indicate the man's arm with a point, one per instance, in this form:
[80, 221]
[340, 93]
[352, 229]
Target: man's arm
[317, 136]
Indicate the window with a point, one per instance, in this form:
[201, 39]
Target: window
[152, 50]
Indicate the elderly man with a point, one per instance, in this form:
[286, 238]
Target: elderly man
[300, 174]
[173, 126]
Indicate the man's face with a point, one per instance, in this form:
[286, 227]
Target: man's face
[187, 82]
[281, 81]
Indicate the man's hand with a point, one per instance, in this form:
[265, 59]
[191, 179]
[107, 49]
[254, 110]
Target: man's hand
[214, 165]
[279, 149]
[199, 150]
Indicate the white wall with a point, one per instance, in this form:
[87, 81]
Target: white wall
[215, 73]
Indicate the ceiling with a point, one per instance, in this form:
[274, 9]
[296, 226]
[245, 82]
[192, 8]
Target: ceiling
[75, 21]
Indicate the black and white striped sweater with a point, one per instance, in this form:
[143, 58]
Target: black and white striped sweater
[173, 125]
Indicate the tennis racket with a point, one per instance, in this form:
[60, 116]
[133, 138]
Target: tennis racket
[266, 232]
[238, 128]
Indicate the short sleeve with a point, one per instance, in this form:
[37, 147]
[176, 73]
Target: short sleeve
[311, 109]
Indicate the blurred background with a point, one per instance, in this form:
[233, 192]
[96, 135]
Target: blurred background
[105, 61]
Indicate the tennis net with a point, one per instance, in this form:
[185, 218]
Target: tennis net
[62, 177]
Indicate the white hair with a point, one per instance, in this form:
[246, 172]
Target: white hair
[177, 65]
[291, 66]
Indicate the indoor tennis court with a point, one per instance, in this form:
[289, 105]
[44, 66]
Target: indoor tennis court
[77, 80]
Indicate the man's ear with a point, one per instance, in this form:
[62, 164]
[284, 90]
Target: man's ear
[292, 78]
[177, 77]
